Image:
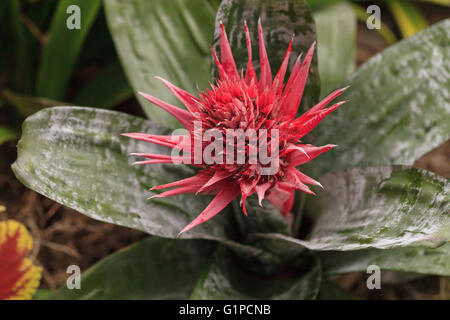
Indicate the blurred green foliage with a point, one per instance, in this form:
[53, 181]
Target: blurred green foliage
[43, 63]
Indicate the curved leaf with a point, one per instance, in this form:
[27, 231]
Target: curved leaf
[399, 105]
[7, 134]
[225, 280]
[151, 269]
[162, 38]
[280, 19]
[381, 207]
[77, 157]
[61, 52]
[409, 259]
[408, 17]
[106, 90]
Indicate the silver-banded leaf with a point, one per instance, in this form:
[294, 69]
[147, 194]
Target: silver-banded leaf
[226, 280]
[336, 45]
[380, 207]
[27, 105]
[398, 109]
[154, 268]
[77, 157]
[106, 90]
[280, 19]
[435, 261]
[162, 38]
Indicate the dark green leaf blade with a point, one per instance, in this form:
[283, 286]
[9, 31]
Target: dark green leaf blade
[162, 38]
[61, 52]
[154, 268]
[398, 107]
[27, 105]
[226, 280]
[77, 157]
[280, 20]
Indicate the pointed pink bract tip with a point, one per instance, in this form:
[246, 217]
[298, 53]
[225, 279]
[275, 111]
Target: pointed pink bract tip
[235, 92]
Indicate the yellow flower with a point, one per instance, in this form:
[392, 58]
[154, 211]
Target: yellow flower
[19, 278]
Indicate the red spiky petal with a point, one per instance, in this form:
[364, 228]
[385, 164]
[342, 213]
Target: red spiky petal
[243, 102]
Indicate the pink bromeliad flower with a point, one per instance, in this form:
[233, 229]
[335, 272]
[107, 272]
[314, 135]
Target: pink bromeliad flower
[238, 101]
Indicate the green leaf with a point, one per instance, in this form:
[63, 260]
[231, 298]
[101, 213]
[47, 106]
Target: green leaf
[77, 157]
[151, 269]
[380, 207]
[409, 259]
[106, 90]
[23, 74]
[7, 134]
[27, 105]
[61, 52]
[408, 17]
[336, 38]
[162, 38]
[280, 19]
[398, 106]
[226, 280]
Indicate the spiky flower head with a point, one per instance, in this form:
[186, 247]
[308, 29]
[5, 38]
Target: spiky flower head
[251, 110]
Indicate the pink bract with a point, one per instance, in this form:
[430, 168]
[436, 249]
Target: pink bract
[238, 101]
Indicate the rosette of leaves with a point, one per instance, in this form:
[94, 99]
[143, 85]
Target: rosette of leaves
[376, 207]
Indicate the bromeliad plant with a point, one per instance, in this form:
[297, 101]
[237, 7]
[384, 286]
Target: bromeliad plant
[375, 209]
[263, 110]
